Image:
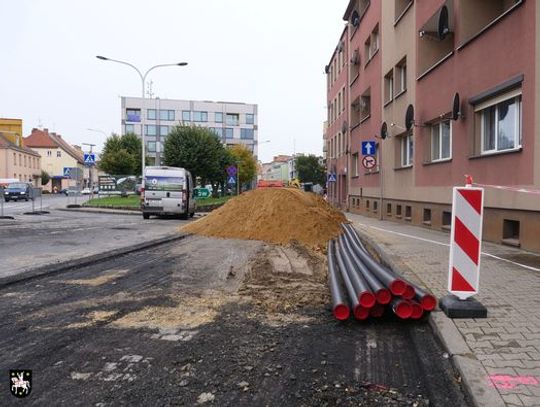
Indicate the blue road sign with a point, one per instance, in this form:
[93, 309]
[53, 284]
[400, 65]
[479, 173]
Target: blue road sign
[369, 147]
[331, 177]
[67, 172]
[231, 170]
[89, 158]
[231, 180]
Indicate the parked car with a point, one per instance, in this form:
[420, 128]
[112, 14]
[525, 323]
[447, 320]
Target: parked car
[69, 191]
[86, 191]
[95, 190]
[18, 191]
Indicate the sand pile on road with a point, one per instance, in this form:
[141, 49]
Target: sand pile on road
[274, 215]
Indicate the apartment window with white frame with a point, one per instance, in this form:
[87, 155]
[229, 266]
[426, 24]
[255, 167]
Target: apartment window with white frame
[407, 150]
[401, 76]
[389, 86]
[355, 165]
[500, 124]
[441, 141]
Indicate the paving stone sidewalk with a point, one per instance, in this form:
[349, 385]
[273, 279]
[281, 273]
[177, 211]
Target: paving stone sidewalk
[507, 343]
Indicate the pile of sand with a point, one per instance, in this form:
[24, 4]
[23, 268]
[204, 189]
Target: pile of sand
[274, 215]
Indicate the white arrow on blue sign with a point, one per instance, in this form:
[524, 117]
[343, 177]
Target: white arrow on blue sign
[331, 177]
[232, 180]
[369, 147]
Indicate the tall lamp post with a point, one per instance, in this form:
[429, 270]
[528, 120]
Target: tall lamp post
[143, 79]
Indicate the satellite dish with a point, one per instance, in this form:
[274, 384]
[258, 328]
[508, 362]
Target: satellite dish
[326, 69]
[409, 117]
[456, 107]
[344, 127]
[443, 27]
[355, 19]
[384, 131]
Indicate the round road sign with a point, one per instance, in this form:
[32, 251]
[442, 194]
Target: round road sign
[369, 162]
[231, 170]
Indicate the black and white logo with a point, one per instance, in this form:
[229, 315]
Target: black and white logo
[20, 382]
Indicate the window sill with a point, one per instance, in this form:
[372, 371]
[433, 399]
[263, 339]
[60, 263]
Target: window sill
[407, 7]
[400, 93]
[426, 223]
[511, 242]
[365, 119]
[355, 176]
[446, 160]
[398, 216]
[388, 215]
[371, 172]
[497, 153]
[435, 65]
[487, 27]
[371, 58]
[407, 167]
[407, 218]
[354, 79]
[388, 102]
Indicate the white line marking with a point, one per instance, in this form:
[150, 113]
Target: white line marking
[447, 245]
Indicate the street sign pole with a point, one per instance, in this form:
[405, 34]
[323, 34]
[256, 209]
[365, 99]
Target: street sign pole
[237, 180]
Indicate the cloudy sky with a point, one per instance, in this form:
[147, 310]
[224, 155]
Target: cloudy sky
[271, 53]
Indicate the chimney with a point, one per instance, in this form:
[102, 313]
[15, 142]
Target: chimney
[46, 131]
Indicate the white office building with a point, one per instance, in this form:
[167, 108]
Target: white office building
[234, 123]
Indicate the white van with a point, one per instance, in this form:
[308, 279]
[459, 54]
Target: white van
[167, 191]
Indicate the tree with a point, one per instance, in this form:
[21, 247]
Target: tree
[122, 155]
[247, 166]
[45, 177]
[310, 169]
[196, 149]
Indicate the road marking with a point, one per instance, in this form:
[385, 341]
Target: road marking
[447, 245]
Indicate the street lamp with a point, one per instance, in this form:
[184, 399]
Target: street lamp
[143, 79]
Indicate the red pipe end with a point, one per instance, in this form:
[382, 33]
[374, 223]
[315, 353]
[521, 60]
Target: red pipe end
[409, 292]
[367, 299]
[360, 312]
[403, 310]
[398, 287]
[341, 312]
[428, 302]
[383, 296]
[377, 311]
[417, 311]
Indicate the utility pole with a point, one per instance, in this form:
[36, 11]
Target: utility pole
[90, 167]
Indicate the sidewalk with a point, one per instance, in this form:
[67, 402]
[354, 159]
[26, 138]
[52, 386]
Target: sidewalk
[501, 352]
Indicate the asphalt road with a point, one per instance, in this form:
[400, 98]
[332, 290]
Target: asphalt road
[45, 202]
[31, 241]
[166, 326]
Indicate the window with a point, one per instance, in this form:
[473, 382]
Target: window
[500, 125]
[389, 86]
[365, 105]
[367, 204]
[371, 45]
[408, 213]
[407, 150]
[200, 116]
[229, 132]
[163, 130]
[355, 165]
[14, 159]
[150, 129]
[218, 131]
[167, 115]
[25, 161]
[427, 216]
[246, 134]
[446, 220]
[133, 115]
[401, 76]
[151, 114]
[219, 117]
[441, 141]
[151, 146]
[232, 119]
[130, 128]
[250, 118]
[389, 209]
[186, 115]
[58, 154]
[49, 153]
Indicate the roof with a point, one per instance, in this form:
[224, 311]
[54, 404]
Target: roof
[43, 139]
[5, 143]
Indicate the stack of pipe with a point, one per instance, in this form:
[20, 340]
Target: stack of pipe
[360, 284]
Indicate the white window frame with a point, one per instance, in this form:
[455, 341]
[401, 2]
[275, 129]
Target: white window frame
[355, 162]
[439, 135]
[407, 158]
[402, 76]
[518, 125]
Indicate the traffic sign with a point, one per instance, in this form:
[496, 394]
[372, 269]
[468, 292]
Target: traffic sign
[231, 180]
[67, 172]
[231, 170]
[369, 162]
[331, 177]
[369, 147]
[202, 192]
[465, 241]
[89, 158]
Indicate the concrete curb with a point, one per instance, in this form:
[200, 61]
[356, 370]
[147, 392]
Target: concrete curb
[474, 377]
[85, 261]
[101, 210]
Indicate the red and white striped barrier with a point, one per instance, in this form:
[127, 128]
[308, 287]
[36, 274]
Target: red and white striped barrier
[509, 188]
[465, 241]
